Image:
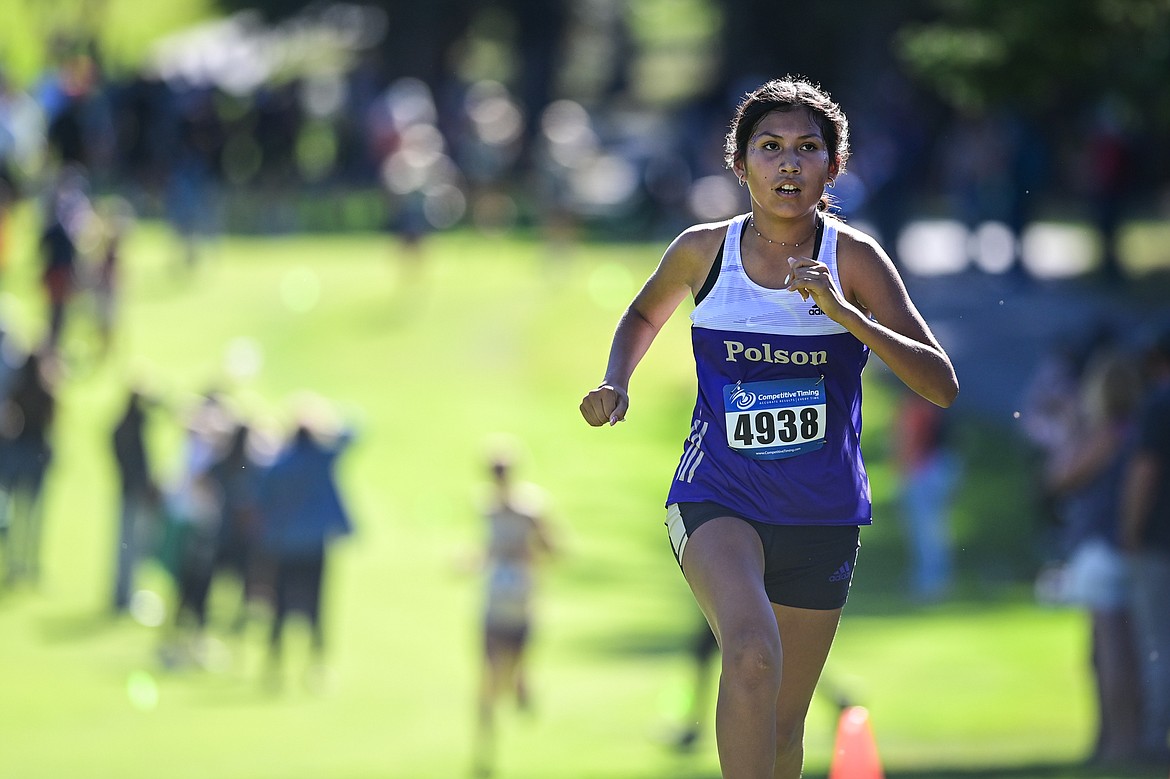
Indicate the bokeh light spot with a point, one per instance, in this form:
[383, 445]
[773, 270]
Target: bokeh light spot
[147, 608]
[243, 358]
[142, 690]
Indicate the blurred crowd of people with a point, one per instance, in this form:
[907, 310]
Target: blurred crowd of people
[208, 155]
[1099, 415]
[249, 505]
[177, 145]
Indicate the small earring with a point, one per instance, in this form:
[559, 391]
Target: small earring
[742, 182]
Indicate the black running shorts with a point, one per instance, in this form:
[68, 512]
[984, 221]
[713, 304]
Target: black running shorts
[805, 566]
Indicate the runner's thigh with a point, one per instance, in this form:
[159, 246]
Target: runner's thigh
[723, 563]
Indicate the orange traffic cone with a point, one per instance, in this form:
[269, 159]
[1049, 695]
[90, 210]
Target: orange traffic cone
[855, 755]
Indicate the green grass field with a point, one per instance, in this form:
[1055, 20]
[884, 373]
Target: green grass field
[489, 335]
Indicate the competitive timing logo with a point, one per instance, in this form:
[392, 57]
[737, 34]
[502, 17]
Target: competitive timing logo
[743, 399]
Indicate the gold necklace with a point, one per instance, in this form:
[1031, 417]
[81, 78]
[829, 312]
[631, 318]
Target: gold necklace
[752, 222]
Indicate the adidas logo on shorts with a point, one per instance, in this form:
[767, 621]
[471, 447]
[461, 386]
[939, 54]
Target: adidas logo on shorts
[842, 573]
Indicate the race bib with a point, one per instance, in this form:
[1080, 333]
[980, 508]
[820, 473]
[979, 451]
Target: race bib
[771, 420]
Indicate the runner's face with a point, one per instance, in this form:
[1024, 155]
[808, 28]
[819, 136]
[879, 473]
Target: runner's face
[786, 163]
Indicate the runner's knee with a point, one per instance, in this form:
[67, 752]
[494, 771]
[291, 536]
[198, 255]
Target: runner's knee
[752, 657]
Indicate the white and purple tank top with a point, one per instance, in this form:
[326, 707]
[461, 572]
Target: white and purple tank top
[776, 431]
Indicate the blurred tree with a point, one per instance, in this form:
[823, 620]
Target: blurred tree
[424, 39]
[1100, 66]
[1036, 56]
[762, 39]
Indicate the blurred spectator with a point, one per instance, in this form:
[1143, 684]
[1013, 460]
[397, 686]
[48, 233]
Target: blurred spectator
[10, 356]
[567, 143]
[930, 471]
[192, 526]
[9, 195]
[517, 538]
[992, 156]
[26, 421]
[21, 138]
[116, 218]
[1052, 403]
[1110, 160]
[66, 213]
[419, 178]
[278, 123]
[73, 97]
[1146, 537]
[147, 130]
[302, 514]
[1031, 170]
[236, 475]
[487, 145]
[1086, 476]
[138, 522]
[191, 182]
[892, 143]
[977, 166]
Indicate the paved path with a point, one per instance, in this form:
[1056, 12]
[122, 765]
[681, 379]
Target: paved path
[997, 330]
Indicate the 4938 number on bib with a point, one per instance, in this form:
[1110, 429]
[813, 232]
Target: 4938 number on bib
[770, 420]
